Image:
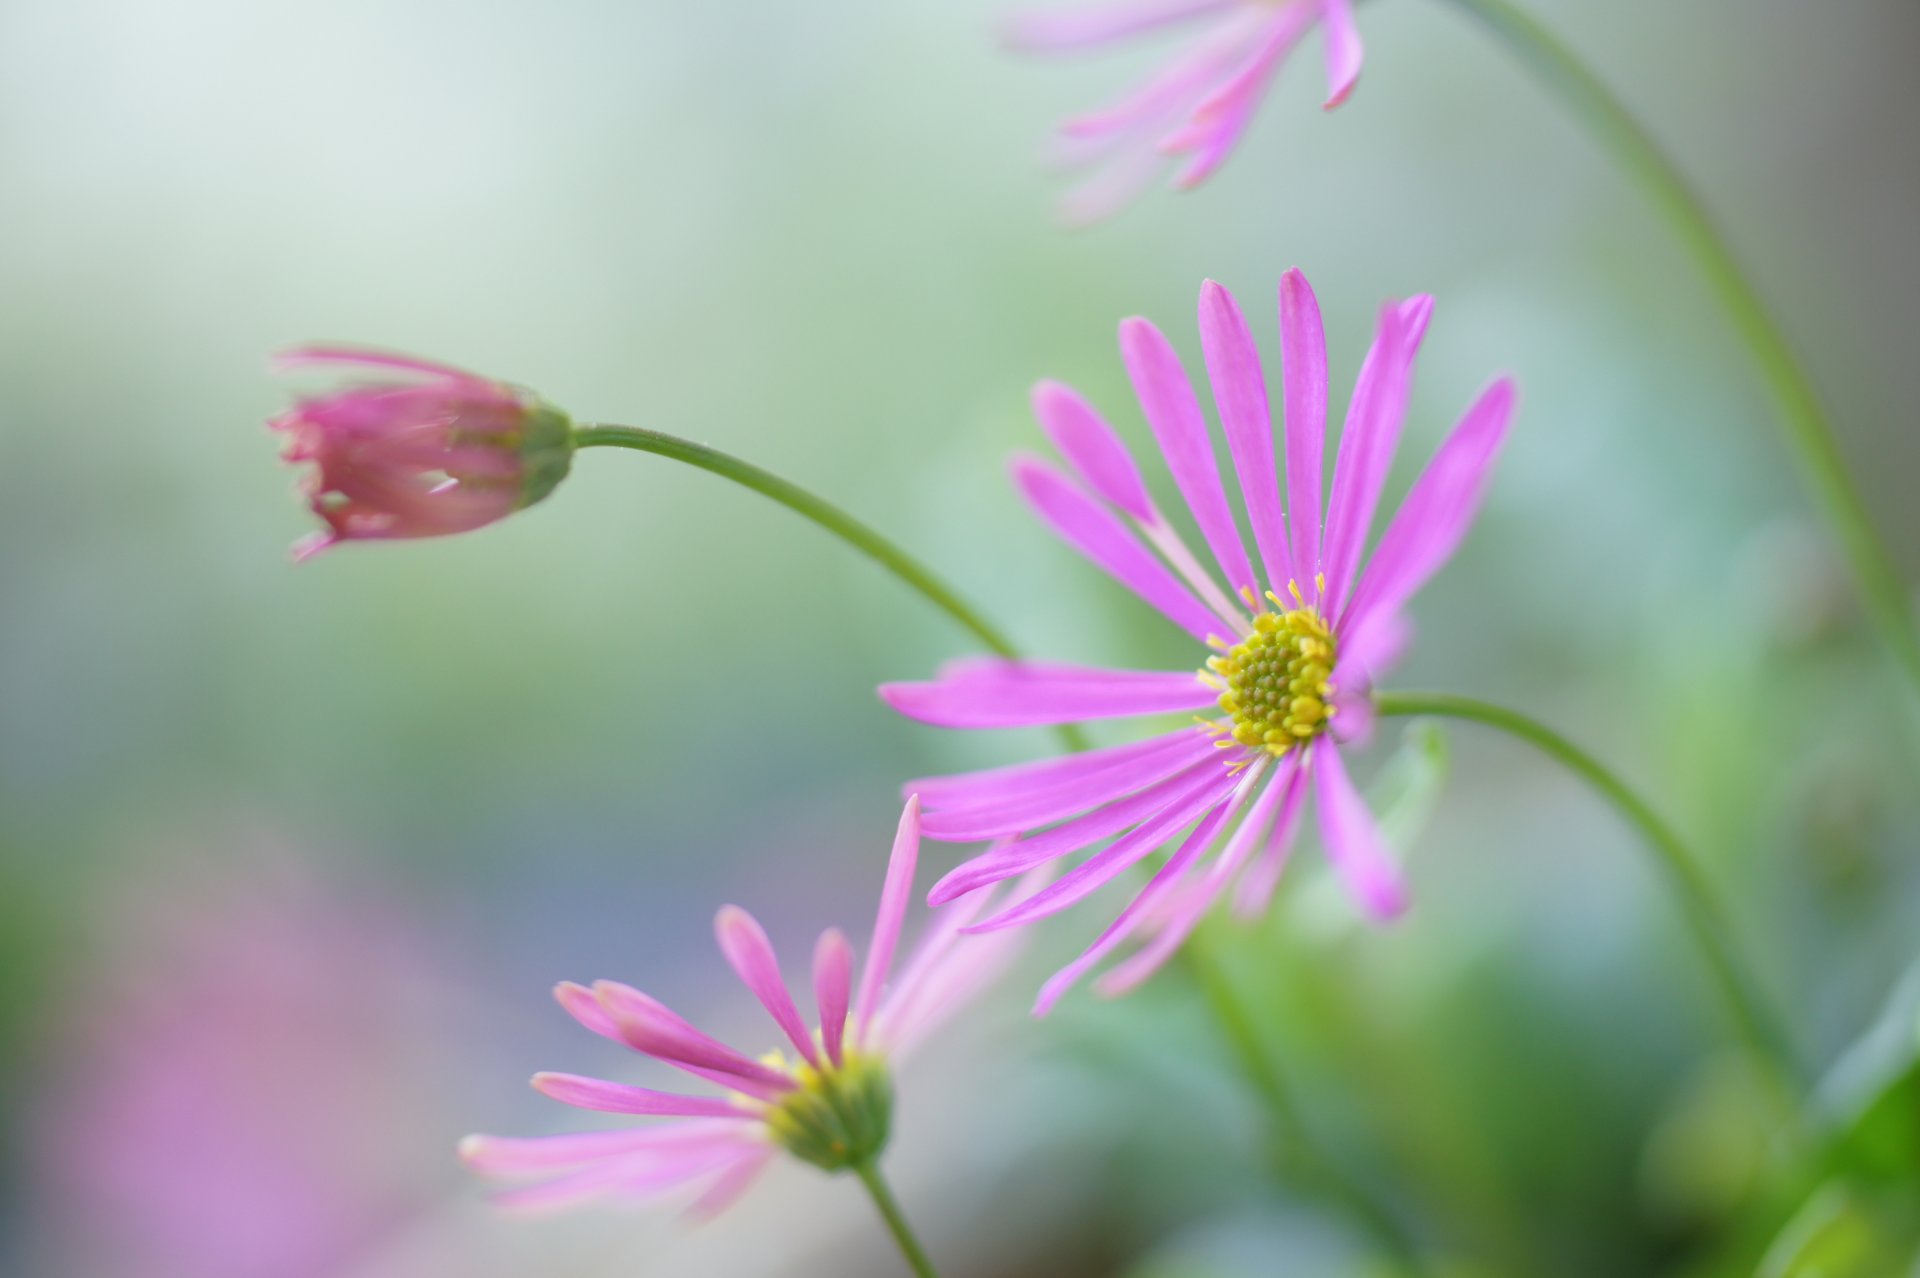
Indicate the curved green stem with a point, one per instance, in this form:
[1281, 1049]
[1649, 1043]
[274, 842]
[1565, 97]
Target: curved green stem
[809, 506]
[1756, 1022]
[822, 512]
[1811, 434]
[882, 1195]
[1298, 1154]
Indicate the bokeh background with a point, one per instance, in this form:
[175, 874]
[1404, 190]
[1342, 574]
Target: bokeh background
[290, 858]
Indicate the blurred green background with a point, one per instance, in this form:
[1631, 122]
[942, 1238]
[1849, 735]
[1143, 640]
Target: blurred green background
[289, 858]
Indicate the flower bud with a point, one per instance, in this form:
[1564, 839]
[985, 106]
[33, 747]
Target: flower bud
[418, 449]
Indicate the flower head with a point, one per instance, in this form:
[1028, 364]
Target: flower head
[1286, 651]
[826, 1098]
[419, 449]
[1199, 105]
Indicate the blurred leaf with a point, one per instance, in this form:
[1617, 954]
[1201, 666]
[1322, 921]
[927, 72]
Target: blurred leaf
[1844, 1232]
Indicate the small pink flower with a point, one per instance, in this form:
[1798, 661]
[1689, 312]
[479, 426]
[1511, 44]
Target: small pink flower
[829, 1104]
[1200, 103]
[423, 451]
[1305, 633]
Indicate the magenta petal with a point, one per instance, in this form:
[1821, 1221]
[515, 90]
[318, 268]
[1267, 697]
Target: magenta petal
[1240, 395]
[751, 955]
[833, 988]
[731, 1184]
[1018, 698]
[1004, 860]
[1095, 532]
[1303, 359]
[1344, 54]
[637, 1177]
[1254, 892]
[1000, 820]
[1167, 399]
[1046, 779]
[368, 358]
[584, 1006]
[1353, 840]
[1438, 511]
[1092, 448]
[649, 1026]
[1366, 451]
[618, 1098]
[1137, 910]
[1219, 120]
[894, 894]
[1086, 25]
[1101, 868]
[530, 1155]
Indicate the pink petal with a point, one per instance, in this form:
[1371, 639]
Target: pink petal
[1343, 50]
[894, 893]
[584, 1006]
[1192, 905]
[1254, 892]
[1166, 95]
[526, 1155]
[948, 971]
[748, 951]
[1024, 782]
[1219, 121]
[367, 358]
[1354, 843]
[1081, 522]
[1138, 909]
[1366, 451]
[1003, 861]
[1438, 511]
[1166, 397]
[731, 1184]
[1371, 647]
[645, 1177]
[1018, 697]
[1018, 816]
[618, 1098]
[833, 988]
[1101, 868]
[648, 1026]
[1303, 359]
[1061, 30]
[1240, 395]
[1092, 448]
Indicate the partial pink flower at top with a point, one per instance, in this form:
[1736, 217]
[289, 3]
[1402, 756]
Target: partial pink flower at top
[417, 449]
[829, 1103]
[1294, 640]
[1195, 109]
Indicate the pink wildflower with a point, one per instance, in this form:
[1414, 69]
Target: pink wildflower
[829, 1104]
[1305, 634]
[425, 451]
[1198, 105]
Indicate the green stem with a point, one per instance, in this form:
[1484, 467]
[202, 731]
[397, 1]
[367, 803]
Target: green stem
[1298, 1156]
[916, 1255]
[1811, 434]
[1757, 1024]
[822, 512]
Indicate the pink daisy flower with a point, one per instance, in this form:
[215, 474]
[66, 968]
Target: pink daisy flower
[419, 450]
[1291, 646]
[829, 1103]
[1196, 107]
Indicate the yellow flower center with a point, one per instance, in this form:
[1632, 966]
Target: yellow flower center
[836, 1116]
[1275, 683]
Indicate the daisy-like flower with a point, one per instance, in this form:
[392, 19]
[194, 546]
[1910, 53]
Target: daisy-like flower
[1196, 108]
[1291, 646]
[829, 1102]
[417, 449]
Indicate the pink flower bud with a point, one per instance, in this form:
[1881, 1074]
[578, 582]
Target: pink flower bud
[417, 449]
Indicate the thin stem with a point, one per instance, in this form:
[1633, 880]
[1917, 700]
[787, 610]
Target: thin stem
[1299, 1156]
[1808, 428]
[877, 1189]
[1758, 1025]
[822, 512]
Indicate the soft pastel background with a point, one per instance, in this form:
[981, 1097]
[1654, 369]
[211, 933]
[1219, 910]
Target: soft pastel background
[289, 858]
